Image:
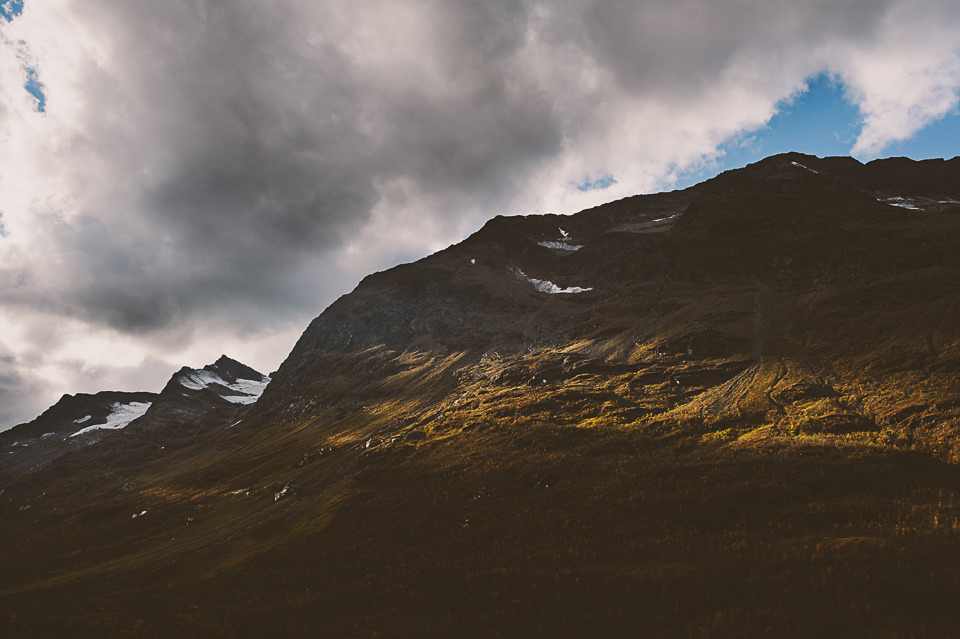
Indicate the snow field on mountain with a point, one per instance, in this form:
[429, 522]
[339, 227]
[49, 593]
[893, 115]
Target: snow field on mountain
[121, 416]
[546, 286]
[563, 244]
[249, 390]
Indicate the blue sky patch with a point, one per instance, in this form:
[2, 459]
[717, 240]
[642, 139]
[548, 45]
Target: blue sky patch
[818, 121]
[35, 88]
[11, 9]
[8, 11]
[940, 139]
[822, 121]
[597, 185]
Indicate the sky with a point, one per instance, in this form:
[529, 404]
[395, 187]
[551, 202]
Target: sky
[187, 178]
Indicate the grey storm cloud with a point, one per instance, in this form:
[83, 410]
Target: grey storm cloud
[247, 138]
[206, 169]
[15, 390]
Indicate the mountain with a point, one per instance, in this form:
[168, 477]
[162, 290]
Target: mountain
[74, 421]
[191, 401]
[195, 397]
[75, 415]
[726, 411]
[793, 271]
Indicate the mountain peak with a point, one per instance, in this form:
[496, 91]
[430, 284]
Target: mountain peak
[194, 393]
[231, 370]
[195, 396]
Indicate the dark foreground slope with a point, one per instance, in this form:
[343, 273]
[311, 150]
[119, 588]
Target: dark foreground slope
[730, 411]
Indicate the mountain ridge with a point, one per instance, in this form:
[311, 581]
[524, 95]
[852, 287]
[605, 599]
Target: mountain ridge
[80, 420]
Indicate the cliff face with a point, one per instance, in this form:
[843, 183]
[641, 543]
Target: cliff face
[726, 411]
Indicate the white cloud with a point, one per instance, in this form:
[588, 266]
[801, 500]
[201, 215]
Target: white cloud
[906, 77]
[207, 176]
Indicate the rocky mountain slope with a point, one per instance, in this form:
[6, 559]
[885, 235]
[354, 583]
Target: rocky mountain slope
[73, 422]
[772, 288]
[192, 401]
[195, 398]
[731, 410]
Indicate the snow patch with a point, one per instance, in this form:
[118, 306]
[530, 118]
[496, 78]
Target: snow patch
[918, 203]
[902, 202]
[247, 390]
[250, 390]
[546, 286]
[83, 420]
[120, 417]
[562, 244]
[198, 380]
[806, 168]
[666, 219]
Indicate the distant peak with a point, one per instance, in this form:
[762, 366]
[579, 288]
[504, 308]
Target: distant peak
[231, 368]
[228, 378]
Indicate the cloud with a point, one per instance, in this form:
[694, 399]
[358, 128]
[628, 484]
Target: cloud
[206, 175]
[906, 76]
[16, 392]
